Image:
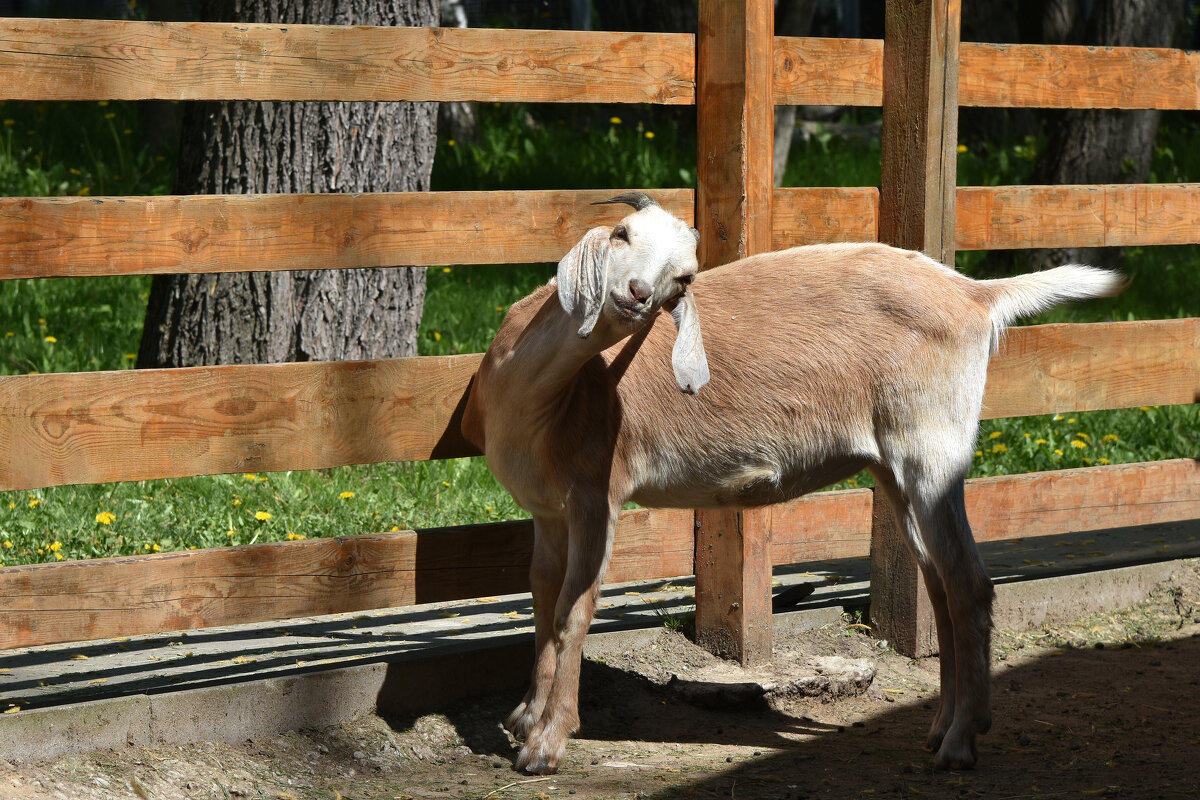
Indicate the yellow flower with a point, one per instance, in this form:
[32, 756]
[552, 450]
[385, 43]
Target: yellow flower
[1040, 441]
[499, 308]
[1103, 460]
[1058, 452]
[999, 448]
[1071, 421]
[1145, 408]
[230, 533]
[131, 356]
[7, 544]
[1029, 436]
[10, 122]
[962, 148]
[395, 527]
[1083, 436]
[9, 334]
[346, 495]
[294, 537]
[437, 336]
[249, 476]
[262, 516]
[1111, 437]
[995, 435]
[237, 501]
[51, 339]
[54, 548]
[649, 134]
[446, 484]
[34, 503]
[146, 546]
[615, 120]
[74, 171]
[41, 552]
[446, 270]
[979, 454]
[58, 556]
[1056, 417]
[451, 142]
[110, 115]
[102, 103]
[85, 191]
[106, 517]
[1086, 460]
[1077, 444]
[127, 131]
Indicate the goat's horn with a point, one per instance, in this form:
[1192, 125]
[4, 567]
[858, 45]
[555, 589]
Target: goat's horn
[638, 200]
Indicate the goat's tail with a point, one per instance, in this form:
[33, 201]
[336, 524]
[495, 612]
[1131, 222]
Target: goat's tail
[1025, 295]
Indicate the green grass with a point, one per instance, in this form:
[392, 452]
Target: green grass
[77, 324]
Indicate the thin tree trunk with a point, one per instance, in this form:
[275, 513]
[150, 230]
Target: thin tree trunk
[1106, 146]
[793, 18]
[297, 147]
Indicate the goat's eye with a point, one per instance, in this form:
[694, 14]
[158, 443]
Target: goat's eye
[686, 280]
[621, 233]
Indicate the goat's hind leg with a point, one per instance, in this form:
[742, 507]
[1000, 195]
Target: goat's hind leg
[546, 571]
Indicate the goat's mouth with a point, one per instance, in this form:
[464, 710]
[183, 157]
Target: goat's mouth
[628, 312]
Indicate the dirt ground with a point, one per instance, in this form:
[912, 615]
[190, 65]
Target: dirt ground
[1108, 705]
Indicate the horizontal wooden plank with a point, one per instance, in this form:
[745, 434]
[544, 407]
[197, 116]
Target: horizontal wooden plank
[80, 600]
[58, 59]
[56, 236]
[811, 215]
[1070, 76]
[813, 71]
[64, 236]
[821, 526]
[95, 427]
[1048, 368]
[1094, 498]
[1006, 217]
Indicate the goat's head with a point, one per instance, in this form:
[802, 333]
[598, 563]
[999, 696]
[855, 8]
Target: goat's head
[627, 272]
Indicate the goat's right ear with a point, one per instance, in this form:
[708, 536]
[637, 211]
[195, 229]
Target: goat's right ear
[581, 279]
[688, 359]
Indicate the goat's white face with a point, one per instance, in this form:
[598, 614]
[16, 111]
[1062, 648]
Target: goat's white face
[626, 273]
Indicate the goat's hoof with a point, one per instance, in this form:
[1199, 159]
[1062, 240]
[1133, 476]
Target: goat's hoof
[539, 759]
[956, 753]
[520, 722]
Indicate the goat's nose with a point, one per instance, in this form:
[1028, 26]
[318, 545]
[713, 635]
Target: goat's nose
[639, 290]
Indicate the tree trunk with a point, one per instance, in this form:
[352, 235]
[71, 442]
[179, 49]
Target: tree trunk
[1106, 146]
[297, 147]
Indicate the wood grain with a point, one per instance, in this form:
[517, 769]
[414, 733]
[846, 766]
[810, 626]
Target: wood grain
[52, 236]
[58, 59]
[821, 526]
[55, 236]
[811, 216]
[1070, 76]
[1007, 217]
[76, 601]
[137, 425]
[1043, 369]
[818, 71]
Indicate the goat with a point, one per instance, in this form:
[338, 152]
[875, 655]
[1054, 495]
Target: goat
[825, 360]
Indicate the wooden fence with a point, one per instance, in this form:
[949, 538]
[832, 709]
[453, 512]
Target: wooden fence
[121, 426]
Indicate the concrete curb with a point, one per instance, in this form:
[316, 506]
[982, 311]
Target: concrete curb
[268, 706]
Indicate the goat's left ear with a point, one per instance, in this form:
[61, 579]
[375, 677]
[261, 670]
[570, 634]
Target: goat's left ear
[688, 359]
[581, 279]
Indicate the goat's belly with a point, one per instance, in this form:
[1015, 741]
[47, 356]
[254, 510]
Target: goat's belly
[743, 486]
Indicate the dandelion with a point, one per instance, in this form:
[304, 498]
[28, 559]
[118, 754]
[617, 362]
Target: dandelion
[9, 334]
[500, 308]
[1029, 436]
[615, 120]
[995, 435]
[75, 171]
[347, 495]
[54, 548]
[249, 476]
[1071, 421]
[34, 503]
[51, 339]
[1058, 452]
[1103, 460]
[446, 270]
[962, 148]
[451, 142]
[231, 533]
[1086, 460]
[1077, 444]
[292, 536]
[130, 356]
[446, 484]
[262, 516]
[979, 454]
[106, 517]
[1040, 441]
[41, 552]
[1084, 436]
[1110, 437]
[999, 448]
[146, 546]
[110, 115]
[127, 131]
[649, 134]
[1145, 408]
[437, 336]
[8, 545]
[11, 505]
[237, 501]
[102, 103]
[10, 122]
[395, 528]
[85, 191]
[58, 556]
[1056, 417]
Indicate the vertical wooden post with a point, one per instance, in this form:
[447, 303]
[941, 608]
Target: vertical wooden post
[735, 117]
[916, 211]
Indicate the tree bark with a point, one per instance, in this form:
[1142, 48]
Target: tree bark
[297, 147]
[1105, 146]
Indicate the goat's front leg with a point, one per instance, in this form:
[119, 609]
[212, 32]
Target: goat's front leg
[589, 544]
[545, 580]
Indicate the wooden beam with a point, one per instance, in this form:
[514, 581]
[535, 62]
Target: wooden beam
[1048, 368]
[819, 71]
[1007, 217]
[734, 65]
[74, 236]
[96, 427]
[79, 600]
[60, 59]
[1069, 76]
[821, 526]
[916, 211]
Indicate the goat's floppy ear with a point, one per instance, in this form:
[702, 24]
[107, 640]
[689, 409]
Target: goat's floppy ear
[581, 278]
[687, 357]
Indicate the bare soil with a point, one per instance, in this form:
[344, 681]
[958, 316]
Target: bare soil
[1109, 705]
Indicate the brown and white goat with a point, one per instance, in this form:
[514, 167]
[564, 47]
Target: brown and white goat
[824, 360]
